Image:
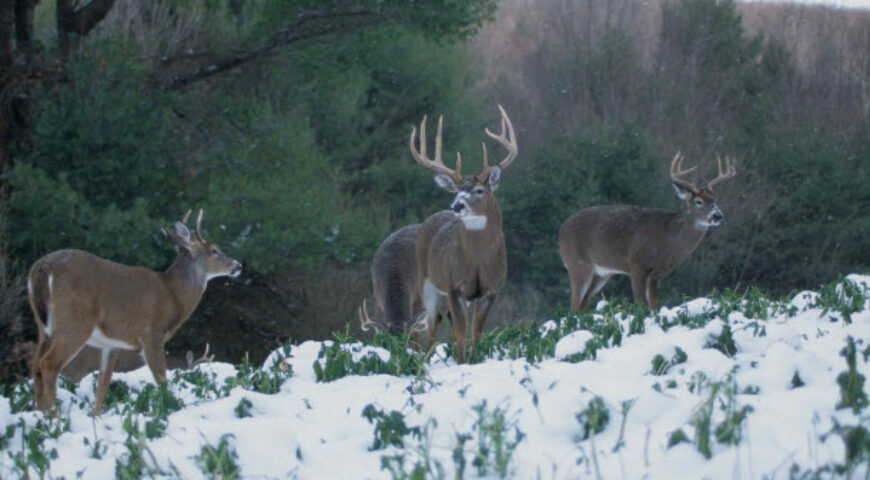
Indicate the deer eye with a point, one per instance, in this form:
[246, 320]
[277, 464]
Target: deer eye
[479, 191]
[699, 202]
[214, 251]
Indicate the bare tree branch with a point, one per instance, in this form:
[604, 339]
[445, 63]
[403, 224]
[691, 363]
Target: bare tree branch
[290, 33]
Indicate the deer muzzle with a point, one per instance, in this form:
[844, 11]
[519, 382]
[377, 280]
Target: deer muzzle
[237, 269]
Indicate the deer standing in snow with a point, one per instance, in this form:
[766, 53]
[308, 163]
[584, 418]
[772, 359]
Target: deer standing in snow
[646, 243]
[461, 252]
[80, 299]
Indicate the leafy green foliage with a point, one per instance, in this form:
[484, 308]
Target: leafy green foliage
[724, 342]
[593, 419]
[852, 394]
[390, 428]
[219, 462]
[842, 296]
[729, 430]
[263, 380]
[497, 438]
[660, 366]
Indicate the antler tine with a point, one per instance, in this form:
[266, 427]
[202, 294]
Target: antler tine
[186, 215]
[437, 164]
[677, 171]
[422, 323]
[729, 172]
[204, 358]
[365, 322]
[198, 223]
[507, 138]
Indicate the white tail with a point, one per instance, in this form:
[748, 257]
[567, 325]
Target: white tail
[80, 299]
[646, 243]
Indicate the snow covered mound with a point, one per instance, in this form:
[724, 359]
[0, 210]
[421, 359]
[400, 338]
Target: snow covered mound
[726, 387]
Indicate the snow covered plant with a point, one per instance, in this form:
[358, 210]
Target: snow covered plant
[736, 384]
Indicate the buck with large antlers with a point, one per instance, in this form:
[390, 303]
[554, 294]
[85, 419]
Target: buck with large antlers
[394, 277]
[461, 253]
[646, 243]
[80, 299]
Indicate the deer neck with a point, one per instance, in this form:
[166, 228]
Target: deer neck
[186, 280]
[476, 240]
[682, 227]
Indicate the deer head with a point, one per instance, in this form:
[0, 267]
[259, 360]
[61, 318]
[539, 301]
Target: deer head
[474, 193]
[699, 199]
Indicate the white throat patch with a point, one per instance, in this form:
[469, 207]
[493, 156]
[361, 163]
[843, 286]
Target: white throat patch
[474, 222]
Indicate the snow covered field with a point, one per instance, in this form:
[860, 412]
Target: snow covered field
[714, 388]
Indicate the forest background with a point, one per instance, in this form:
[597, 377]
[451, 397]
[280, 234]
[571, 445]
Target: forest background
[288, 121]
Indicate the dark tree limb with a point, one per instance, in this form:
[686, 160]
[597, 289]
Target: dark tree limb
[290, 33]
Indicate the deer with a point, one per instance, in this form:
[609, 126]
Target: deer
[394, 277]
[461, 252]
[79, 299]
[647, 244]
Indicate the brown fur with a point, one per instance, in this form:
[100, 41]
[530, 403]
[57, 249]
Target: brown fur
[467, 265]
[394, 275]
[73, 293]
[647, 244]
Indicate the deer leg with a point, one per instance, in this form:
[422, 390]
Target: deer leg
[652, 292]
[581, 275]
[155, 357]
[60, 349]
[458, 320]
[639, 277]
[108, 360]
[481, 311]
[598, 284]
[36, 372]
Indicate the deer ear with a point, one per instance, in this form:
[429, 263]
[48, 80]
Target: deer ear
[445, 182]
[683, 193]
[494, 177]
[182, 233]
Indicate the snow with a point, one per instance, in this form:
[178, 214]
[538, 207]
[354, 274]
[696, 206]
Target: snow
[311, 429]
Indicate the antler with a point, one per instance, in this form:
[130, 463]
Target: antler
[729, 172]
[677, 172]
[507, 138]
[436, 164]
[188, 357]
[365, 321]
[186, 215]
[198, 223]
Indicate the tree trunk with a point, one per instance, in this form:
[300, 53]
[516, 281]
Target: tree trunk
[24, 28]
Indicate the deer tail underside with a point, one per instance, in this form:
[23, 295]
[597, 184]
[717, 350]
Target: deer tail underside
[38, 293]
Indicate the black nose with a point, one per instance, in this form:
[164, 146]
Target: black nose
[458, 206]
[717, 217]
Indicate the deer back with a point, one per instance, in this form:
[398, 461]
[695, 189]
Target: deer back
[394, 277]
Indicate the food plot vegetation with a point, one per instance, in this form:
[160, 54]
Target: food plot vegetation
[734, 385]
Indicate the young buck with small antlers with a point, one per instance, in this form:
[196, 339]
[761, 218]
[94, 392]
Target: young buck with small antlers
[86, 300]
[461, 253]
[394, 277]
[646, 243]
